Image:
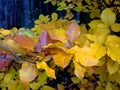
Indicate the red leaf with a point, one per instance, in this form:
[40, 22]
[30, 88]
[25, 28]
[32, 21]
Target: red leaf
[4, 60]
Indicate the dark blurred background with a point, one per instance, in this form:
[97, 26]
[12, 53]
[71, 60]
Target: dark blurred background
[23, 13]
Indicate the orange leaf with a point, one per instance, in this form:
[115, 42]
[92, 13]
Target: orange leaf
[62, 59]
[24, 41]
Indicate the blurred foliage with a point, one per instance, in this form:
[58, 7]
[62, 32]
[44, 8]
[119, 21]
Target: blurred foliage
[58, 53]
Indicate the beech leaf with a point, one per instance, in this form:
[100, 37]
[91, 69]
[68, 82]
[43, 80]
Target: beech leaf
[73, 32]
[24, 41]
[84, 56]
[4, 60]
[62, 59]
[108, 16]
[79, 70]
[28, 72]
[43, 41]
[49, 71]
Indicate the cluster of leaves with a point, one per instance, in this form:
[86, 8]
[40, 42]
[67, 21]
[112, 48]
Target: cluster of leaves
[28, 58]
[93, 7]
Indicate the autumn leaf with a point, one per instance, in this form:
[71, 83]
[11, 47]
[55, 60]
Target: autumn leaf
[5, 32]
[98, 50]
[49, 71]
[79, 70]
[54, 16]
[73, 32]
[5, 60]
[84, 56]
[55, 47]
[113, 47]
[116, 27]
[62, 59]
[28, 72]
[112, 66]
[14, 46]
[108, 16]
[43, 41]
[24, 41]
[58, 34]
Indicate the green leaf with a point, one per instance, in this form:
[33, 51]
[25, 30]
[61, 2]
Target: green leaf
[1, 76]
[41, 80]
[47, 88]
[108, 16]
[62, 6]
[54, 16]
[75, 80]
[112, 66]
[109, 86]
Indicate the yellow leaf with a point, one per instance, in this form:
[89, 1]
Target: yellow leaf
[79, 70]
[62, 59]
[115, 27]
[5, 32]
[59, 34]
[49, 71]
[28, 72]
[98, 50]
[108, 16]
[84, 56]
[113, 47]
[94, 23]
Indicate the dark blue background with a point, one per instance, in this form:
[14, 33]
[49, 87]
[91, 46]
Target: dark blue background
[23, 13]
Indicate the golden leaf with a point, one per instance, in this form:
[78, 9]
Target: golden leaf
[84, 56]
[116, 27]
[99, 50]
[79, 70]
[113, 47]
[62, 59]
[49, 71]
[59, 34]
